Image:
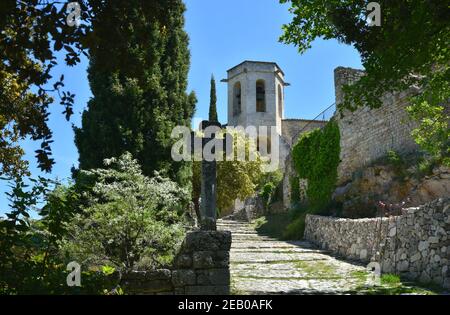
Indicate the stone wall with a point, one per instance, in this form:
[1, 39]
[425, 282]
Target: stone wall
[291, 129]
[368, 134]
[415, 245]
[200, 268]
[252, 208]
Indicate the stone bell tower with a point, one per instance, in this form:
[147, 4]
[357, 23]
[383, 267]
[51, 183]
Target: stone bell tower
[256, 94]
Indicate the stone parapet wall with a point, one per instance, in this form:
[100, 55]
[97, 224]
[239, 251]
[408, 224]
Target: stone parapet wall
[200, 268]
[415, 245]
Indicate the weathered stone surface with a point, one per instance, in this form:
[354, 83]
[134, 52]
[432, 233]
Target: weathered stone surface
[183, 261]
[219, 276]
[423, 245]
[364, 132]
[203, 262]
[382, 182]
[147, 286]
[207, 240]
[203, 259]
[261, 266]
[363, 254]
[208, 290]
[183, 277]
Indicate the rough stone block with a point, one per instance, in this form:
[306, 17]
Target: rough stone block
[203, 259]
[213, 277]
[423, 245]
[219, 276]
[208, 290]
[183, 277]
[363, 254]
[147, 286]
[207, 241]
[183, 261]
[179, 291]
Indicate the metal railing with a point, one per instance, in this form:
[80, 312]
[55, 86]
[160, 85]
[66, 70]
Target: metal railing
[324, 115]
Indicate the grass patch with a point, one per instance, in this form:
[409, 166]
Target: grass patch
[360, 275]
[317, 268]
[331, 277]
[272, 225]
[398, 290]
[390, 279]
[391, 284]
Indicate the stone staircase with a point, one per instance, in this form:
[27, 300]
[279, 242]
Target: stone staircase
[263, 265]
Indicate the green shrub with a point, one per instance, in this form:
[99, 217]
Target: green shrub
[316, 158]
[390, 279]
[131, 221]
[397, 162]
[295, 189]
[267, 193]
[297, 210]
[268, 186]
[296, 229]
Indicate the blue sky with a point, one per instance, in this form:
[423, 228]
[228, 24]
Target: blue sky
[222, 34]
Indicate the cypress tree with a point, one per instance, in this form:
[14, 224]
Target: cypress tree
[213, 101]
[139, 63]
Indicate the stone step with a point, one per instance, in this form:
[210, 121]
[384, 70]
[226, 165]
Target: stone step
[286, 250]
[230, 222]
[239, 231]
[235, 227]
[266, 244]
[258, 286]
[276, 257]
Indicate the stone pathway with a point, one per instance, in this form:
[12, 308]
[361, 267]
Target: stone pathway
[263, 265]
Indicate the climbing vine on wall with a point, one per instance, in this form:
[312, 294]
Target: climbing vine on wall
[295, 189]
[316, 158]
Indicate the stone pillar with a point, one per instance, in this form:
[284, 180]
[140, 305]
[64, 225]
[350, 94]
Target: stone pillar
[208, 195]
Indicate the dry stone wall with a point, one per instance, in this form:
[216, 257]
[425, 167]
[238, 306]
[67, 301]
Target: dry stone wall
[368, 134]
[200, 268]
[415, 245]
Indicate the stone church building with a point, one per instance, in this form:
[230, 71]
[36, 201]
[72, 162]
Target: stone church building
[256, 94]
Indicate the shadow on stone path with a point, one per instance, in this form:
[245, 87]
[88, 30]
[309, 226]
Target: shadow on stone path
[263, 265]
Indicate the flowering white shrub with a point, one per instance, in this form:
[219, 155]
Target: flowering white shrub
[130, 221]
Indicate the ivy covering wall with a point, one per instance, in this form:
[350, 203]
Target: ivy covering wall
[316, 158]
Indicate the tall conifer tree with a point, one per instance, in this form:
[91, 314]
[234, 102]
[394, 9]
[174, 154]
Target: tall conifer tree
[139, 63]
[213, 101]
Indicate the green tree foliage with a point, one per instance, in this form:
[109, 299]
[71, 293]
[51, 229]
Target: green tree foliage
[31, 34]
[30, 262]
[213, 101]
[131, 221]
[235, 179]
[295, 189]
[316, 158]
[138, 76]
[268, 186]
[410, 48]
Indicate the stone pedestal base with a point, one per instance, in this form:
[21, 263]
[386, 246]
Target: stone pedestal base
[200, 268]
